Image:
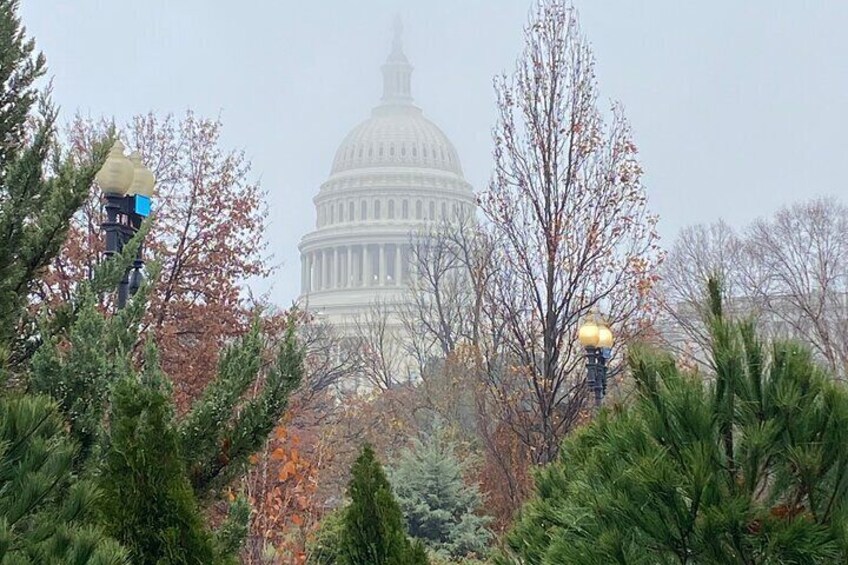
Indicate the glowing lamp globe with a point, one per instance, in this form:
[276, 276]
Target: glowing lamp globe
[588, 334]
[116, 175]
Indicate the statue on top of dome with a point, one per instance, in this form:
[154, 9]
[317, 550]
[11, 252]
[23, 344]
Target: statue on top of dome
[397, 40]
[397, 71]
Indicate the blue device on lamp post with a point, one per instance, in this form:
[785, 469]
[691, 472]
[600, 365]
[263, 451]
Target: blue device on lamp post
[141, 205]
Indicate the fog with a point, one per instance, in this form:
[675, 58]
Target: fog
[737, 110]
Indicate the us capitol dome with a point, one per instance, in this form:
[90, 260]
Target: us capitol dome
[392, 175]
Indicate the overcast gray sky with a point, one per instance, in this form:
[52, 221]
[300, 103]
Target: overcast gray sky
[738, 107]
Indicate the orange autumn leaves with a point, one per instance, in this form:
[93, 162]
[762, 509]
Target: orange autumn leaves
[282, 488]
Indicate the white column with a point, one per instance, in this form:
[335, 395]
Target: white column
[303, 273]
[349, 267]
[311, 272]
[325, 269]
[339, 273]
[398, 276]
[382, 265]
[336, 277]
[366, 267]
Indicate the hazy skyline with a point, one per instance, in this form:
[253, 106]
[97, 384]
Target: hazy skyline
[737, 110]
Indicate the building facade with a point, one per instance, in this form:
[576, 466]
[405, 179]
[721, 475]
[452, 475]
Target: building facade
[392, 175]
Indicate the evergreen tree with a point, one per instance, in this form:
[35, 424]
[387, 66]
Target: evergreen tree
[46, 516]
[152, 503]
[373, 531]
[78, 367]
[47, 513]
[39, 190]
[747, 466]
[439, 507]
[324, 546]
[148, 502]
[216, 439]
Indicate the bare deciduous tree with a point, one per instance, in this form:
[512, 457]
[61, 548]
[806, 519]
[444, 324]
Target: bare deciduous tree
[385, 360]
[699, 253]
[568, 209]
[452, 263]
[789, 271]
[801, 276]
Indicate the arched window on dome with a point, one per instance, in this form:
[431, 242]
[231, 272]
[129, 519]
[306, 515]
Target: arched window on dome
[432, 210]
[444, 210]
[332, 213]
[360, 152]
[392, 150]
[341, 212]
[377, 209]
[405, 209]
[414, 151]
[391, 209]
[381, 151]
[419, 209]
[424, 151]
[363, 210]
[370, 150]
[351, 211]
[403, 150]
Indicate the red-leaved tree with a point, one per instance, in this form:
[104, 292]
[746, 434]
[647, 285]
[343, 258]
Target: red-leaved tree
[207, 234]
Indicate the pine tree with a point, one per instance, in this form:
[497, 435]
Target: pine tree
[373, 532]
[439, 507]
[46, 516]
[747, 466]
[39, 190]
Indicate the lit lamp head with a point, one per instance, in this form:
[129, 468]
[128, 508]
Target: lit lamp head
[605, 339]
[588, 334]
[142, 185]
[116, 174]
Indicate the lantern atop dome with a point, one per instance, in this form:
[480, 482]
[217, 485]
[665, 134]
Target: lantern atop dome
[397, 72]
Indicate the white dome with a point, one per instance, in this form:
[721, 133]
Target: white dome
[397, 136]
[393, 175]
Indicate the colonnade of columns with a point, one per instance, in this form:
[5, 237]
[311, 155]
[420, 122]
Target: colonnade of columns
[351, 266]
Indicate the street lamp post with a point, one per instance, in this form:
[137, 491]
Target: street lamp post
[127, 186]
[597, 340]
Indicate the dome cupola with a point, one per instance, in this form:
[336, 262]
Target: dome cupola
[397, 134]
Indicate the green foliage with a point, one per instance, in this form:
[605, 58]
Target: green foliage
[232, 533]
[142, 449]
[747, 466]
[39, 189]
[324, 547]
[45, 515]
[216, 441]
[418, 554]
[148, 502]
[439, 507]
[373, 531]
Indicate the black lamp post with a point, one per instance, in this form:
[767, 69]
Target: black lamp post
[597, 340]
[127, 187]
